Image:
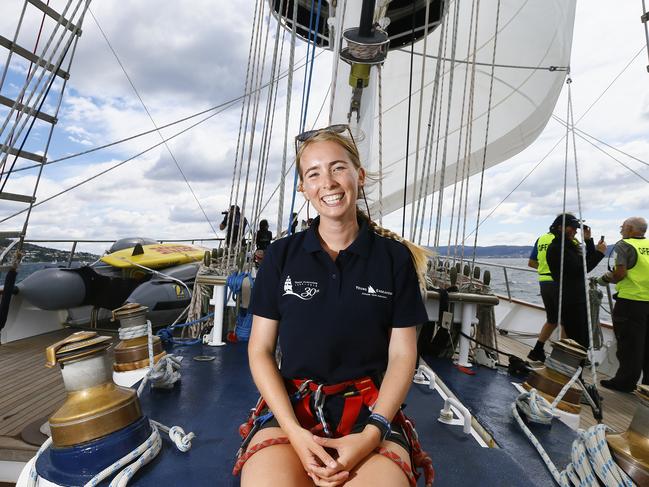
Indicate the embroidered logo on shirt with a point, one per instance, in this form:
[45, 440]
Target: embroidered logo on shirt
[373, 292]
[308, 288]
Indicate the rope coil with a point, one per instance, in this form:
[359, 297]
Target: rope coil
[592, 464]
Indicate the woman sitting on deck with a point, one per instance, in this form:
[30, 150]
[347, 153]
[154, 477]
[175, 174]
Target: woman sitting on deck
[344, 298]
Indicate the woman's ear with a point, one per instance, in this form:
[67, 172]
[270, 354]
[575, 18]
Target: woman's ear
[361, 177]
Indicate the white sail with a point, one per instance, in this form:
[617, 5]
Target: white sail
[534, 37]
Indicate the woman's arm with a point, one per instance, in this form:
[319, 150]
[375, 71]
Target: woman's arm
[261, 357]
[402, 359]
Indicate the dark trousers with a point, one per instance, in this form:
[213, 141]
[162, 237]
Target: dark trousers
[631, 327]
[575, 322]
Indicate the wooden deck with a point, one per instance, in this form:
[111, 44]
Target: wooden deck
[618, 406]
[29, 391]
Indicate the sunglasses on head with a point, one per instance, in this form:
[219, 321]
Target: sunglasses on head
[338, 128]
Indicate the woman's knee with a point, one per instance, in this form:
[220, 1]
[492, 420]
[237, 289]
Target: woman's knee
[379, 470]
[273, 465]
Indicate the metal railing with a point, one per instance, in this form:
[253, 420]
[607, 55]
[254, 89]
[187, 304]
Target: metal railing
[504, 267]
[506, 276]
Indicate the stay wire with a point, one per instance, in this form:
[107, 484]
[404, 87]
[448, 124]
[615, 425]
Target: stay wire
[563, 208]
[153, 122]
[589, 318]
[285, 148]
[459, 148]
[557, 144]
[486, 140]
[115, 166]
[306, 93]
[405, 172]
[418, 183]
[226, 104]
[261, 66]
[469, 133]
[29, 70]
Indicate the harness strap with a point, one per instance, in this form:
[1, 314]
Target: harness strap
[254, 449]
[405, 468]
[350, 414]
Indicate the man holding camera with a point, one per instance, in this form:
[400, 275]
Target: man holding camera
[231, 222]
[574, 317]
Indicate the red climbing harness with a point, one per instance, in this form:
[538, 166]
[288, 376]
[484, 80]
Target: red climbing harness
[355, 399]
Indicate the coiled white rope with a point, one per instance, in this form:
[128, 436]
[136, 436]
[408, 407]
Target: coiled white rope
[591, 458]
[127, 333]
[131, 462]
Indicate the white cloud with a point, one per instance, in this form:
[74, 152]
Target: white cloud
[185, 56]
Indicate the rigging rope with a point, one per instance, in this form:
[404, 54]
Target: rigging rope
[245, 108]
[432, 116]
[589, 317]
[416, 195]
[405, 172]
[486, 138]
[563, 211]
[306, 92]
[459, 147]
[153, 122]
[379, 70]
[289, 97]
[469, 136]
[31, 63]
[13, 134]
[336, 49]
[437, 127]
[594, 102]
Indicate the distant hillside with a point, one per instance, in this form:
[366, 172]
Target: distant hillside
[490, 251]
[36, 253]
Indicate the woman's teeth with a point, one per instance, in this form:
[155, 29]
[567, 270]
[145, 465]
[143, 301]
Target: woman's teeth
[332, 199]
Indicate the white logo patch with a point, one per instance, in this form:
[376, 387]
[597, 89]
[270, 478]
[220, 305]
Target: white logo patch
[307, 289]
[373, 292]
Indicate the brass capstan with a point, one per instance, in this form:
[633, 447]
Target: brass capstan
[133, 353]
[549, 381]
[95, 405]
[631, 448]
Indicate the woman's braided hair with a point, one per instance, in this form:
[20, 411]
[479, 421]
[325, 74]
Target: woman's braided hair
[419, 254]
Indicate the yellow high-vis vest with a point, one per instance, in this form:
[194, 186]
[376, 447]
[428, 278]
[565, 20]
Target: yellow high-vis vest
[541, 252]
[635, 285]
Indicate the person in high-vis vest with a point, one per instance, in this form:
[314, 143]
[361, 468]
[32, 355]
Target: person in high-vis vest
[631, 310]
[549, 293]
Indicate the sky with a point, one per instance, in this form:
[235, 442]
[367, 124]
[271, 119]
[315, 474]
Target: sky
[185, 56]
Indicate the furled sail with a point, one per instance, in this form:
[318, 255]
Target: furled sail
[532, 53]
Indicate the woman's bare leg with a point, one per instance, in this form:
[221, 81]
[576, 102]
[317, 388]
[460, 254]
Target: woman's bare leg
[379, 471]
[273, 466]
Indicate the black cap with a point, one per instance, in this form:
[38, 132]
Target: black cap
[571, 221]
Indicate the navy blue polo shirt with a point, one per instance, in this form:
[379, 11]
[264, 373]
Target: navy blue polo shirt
[335, 317]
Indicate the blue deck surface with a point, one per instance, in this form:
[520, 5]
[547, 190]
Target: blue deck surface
[489, 395]
[214, 397]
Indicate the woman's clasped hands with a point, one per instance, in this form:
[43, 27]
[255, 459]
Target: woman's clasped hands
[329, 461]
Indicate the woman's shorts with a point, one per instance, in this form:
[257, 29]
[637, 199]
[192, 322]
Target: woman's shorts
[396, 436]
